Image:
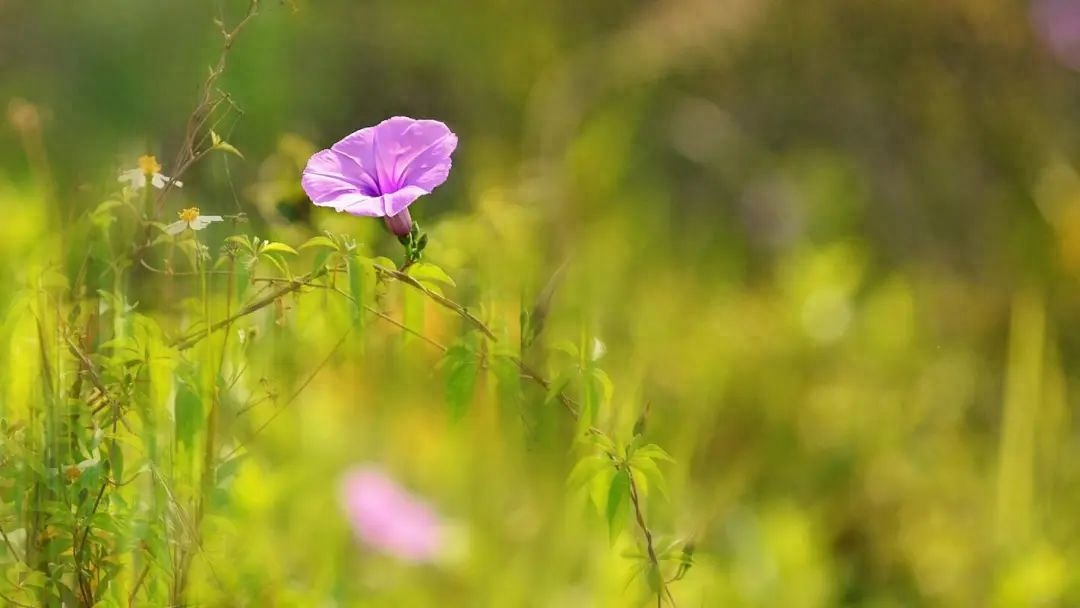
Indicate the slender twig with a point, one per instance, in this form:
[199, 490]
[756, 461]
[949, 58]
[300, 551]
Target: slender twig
[10, 547]
[138, 583]
[185, 523]
[438, 298]
[207, 104]
[194, 338]
[639, 515]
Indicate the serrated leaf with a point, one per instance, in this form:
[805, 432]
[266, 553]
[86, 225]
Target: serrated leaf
[277, 248]
[618, 504]
[430, 273]
[318, 241]
[586, 469]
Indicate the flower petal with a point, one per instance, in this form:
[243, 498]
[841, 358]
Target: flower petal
[413, 152]
[395, 202]
[326, 191]
[159, 181]
[204, 220]
[133, 177]
[176, 228]
[353, 159]
[387, 517]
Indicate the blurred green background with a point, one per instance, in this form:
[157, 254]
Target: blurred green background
[834, 244]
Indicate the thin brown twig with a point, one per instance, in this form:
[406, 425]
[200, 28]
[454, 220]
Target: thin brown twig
[639, 516]
[194, 338]
[438, 298]
[138, 583]
[207, 104]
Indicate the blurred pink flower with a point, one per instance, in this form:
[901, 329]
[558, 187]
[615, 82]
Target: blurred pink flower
[388, 518]
[1057, 23]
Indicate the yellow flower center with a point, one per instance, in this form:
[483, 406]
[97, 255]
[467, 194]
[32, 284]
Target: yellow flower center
[189, 215]
[148, 165]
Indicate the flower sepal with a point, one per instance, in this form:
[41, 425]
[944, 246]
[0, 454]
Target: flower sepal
[414, 242]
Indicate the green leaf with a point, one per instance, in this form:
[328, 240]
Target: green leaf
[599, 488]
[220, 144]
[567, 347]
[277, 247]
[384, 261]
[462, 368]
[412, 312]
[508, 377]
[319, 241]
[430, 273]
[647, 473]
[618, 504]
[641, 482]
[654, 579]
[242, 241]
[586, 469]
[558, 385]
[242, 278]
[602, 441]
[280, 265]
[602, 381]
[654, 452]
[116, 461]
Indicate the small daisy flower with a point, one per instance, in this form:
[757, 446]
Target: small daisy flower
[149, 171]
[190, 218]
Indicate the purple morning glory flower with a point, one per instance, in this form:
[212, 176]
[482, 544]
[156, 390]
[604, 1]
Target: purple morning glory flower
[388, 518]
[379, 171]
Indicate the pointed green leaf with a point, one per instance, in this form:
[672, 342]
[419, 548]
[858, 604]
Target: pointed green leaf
[319, 241]
[599, 488]
[653, 451]
[586, 469]
[426, 272]
[217, 143]
[277, 247]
